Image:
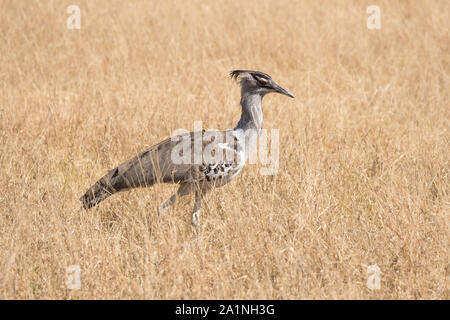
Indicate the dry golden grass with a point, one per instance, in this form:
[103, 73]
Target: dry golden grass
[364, 152]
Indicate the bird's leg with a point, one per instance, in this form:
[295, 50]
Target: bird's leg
[196, 212]
[165, 205]
[183, 190]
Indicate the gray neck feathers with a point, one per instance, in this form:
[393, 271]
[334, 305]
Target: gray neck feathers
[252, 115]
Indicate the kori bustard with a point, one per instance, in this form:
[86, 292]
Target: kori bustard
[183, 159]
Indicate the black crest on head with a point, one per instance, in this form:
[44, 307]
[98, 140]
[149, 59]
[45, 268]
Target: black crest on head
[236, 73]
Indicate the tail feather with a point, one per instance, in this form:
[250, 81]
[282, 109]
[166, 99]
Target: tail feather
[102, 189]
[150, 167]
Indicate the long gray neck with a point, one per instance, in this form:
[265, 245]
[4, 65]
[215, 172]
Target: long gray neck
[252, 115]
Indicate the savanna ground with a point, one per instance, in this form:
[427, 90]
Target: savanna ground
[364, 149]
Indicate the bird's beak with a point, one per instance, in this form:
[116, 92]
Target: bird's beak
[279, 89]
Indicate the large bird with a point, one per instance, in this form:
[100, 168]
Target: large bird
[197, 161]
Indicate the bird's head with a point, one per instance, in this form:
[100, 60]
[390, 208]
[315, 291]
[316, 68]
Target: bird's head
[258, 82]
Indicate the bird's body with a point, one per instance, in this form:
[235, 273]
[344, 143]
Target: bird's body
[197, 161]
